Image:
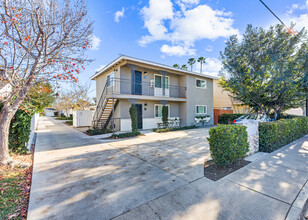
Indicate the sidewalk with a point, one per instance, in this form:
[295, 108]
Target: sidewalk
[78, 177]
[274, 187]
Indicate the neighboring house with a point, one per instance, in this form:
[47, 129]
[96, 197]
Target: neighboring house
[49, 112]
[150, 85]
[223, 100]
[301, 111]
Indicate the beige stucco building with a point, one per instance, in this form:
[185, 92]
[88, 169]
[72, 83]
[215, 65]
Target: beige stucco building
[223, 100]
[149, 86]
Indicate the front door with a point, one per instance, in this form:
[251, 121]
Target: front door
[138, 83]
[139, 115]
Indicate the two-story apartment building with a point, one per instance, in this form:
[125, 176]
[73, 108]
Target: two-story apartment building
[149, 86]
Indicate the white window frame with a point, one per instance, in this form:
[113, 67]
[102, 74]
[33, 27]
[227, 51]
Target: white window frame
[201, 113]
[201, 80]
[112, 84]
[161, 105]
[162, 81]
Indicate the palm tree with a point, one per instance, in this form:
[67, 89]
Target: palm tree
[191, 62]
[184, 67]
[176, 66]
[201, 60]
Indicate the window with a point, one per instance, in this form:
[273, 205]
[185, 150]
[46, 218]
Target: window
[200, 83]
[110, 80]
[158, 111]
[157, 81]
[201, 109]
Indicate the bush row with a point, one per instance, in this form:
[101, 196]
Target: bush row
[125, 135]
[228, 118]
[228, 143]
[161, 130]
[276, 134]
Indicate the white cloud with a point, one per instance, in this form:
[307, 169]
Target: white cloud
[212, 66]
[300, 18]
[95, 42]
[209, 48]
[177, 50]
[182, 28]
[99, 68]
[154, 16]
[118, 15]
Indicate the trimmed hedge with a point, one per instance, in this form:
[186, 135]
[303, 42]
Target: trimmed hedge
[161, 130]
[228, 143]
[228, 118]
[126, 135]
[134, 119]
[96, 131]
[276, 134]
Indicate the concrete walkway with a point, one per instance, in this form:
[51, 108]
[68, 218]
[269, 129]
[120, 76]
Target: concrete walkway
[158, 176]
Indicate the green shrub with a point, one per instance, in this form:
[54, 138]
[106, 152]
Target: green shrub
[126, 135]
[56, 114]
[70, 122]
[165, 115]
[20, 132]
[134, 119]
[63, 118]
[161, 130]
[228, 143]
[62, 115]
[228, 118]
[96, 131]
[276, 134]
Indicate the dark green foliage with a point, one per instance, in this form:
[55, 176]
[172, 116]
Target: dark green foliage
[165, 115]
[228, 118]
[96, 131]
[56, 114]
[62, 115]
[267, 69]
[19, 132]
[134, 119]
[69, 122]
[228, 143]
[173, 129]
[126, 135]
[276, 134]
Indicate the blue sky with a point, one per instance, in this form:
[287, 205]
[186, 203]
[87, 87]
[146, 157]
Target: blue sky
[172, 31]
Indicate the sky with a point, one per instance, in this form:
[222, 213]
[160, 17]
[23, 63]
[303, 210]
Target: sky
[172, 31]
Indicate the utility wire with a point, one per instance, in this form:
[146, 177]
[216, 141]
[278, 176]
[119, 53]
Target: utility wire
[289, 29]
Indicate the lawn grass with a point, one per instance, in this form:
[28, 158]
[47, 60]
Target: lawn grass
[64, 118]
[15, 190]
[70, 122]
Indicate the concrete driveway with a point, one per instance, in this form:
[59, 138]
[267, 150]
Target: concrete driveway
[159, 176]
[79, 177]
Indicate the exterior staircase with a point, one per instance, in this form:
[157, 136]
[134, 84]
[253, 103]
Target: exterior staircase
[104, 113]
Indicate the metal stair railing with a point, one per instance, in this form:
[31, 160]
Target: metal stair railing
[100, 108]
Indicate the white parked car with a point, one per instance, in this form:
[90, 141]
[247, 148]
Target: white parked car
[251, 118]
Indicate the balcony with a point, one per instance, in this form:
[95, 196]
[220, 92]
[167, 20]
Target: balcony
[116, 87]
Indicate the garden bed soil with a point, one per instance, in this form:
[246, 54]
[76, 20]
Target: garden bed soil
[15, 183]
[214, 172]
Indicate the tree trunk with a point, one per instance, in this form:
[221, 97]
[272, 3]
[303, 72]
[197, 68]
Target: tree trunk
[5, 120]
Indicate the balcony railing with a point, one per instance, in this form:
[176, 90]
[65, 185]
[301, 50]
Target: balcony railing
[127, 87]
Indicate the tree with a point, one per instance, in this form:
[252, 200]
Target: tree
[176, 66]
[266, 69]
[134, 118]
[40, 41]
[80, 96]
[184, 67]
[38, 98]
[64, 102]
[191, 62]
[165, 114]
[201, 60]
